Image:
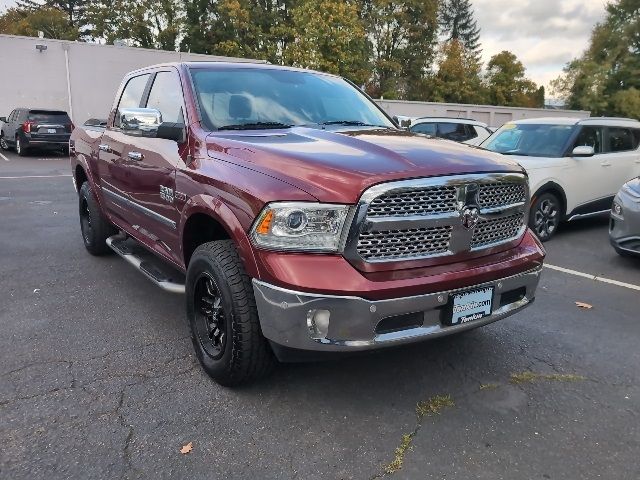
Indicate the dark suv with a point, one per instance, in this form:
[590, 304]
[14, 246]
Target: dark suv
[27, 128]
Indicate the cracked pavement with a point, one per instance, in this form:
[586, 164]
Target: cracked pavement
[98, 379]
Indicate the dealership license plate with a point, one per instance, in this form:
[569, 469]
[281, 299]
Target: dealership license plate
[51, 130]
[472, 305]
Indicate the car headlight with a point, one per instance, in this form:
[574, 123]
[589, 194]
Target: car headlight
[301, 226]
[616, 208]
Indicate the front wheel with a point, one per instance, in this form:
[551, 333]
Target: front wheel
[545, 216]
[223, 317]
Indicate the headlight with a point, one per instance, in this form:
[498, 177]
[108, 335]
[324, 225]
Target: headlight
[617, 209]
[301, 226]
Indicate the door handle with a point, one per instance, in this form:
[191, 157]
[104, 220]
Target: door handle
[104, 148]
[137, 156]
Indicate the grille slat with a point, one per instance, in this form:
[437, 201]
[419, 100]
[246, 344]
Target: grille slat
[496, 230]
[418, 201]
[394, 244]
[427, 201]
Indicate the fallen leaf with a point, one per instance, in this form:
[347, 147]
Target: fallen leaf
[186, 448]
[586, 306]
[36, 290]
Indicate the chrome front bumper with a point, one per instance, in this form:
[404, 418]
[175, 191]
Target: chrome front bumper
[325, 323]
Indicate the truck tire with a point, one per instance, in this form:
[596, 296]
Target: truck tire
[545, 216]
[223, 317]
[94, 226]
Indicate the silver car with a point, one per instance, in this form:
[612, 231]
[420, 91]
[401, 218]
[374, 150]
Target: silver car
[624, 226]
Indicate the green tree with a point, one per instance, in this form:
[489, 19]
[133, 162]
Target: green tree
[51, 21]
[402, 34]
[508, 85]
[458, 77]
[328, 35]
[457, 23]
[606, 77]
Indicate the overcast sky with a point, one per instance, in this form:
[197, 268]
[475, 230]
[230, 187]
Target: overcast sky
[544, 34]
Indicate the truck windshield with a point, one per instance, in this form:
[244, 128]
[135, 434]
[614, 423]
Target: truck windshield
[530, 140]
[260, 98]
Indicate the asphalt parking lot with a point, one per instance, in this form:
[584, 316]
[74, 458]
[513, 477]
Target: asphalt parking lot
[98, 379]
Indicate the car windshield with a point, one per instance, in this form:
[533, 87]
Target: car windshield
[543, 140]
[252, 98]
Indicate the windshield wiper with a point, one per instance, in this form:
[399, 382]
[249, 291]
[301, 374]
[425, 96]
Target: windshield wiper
[356, 123]
[255, 126]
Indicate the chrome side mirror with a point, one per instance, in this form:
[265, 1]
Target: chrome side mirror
[143, 122]
[583, 151]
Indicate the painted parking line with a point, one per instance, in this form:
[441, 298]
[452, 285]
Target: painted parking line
[33, 176]
[596, 278]
[4, 157]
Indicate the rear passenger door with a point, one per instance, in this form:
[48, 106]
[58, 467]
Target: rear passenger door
[623, 154]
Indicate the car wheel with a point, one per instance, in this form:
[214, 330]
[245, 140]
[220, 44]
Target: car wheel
[94, 226]
[20, 148]
[223, 317]
[3, 143]
[545, 216]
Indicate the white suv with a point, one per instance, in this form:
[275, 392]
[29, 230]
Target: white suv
[462, 130]
[575, 167]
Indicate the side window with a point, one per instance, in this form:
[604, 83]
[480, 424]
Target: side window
[591, 137]
[452, 131]
[132, 94]
[166, 96]
[426, 128]
[14, 116]
[471, 132]
[636, 137]
[620, 139]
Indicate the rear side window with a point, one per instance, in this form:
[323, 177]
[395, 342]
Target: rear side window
[621, 139]
[591, 137]
[453, 131]
[132, 94]
[426, 128]
[166, 96]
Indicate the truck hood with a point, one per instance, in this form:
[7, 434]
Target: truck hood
[338, 165]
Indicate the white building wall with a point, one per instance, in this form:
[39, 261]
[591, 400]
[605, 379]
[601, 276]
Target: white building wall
[33, 79]
[493, 116]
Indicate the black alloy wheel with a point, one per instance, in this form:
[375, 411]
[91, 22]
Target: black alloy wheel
[545, 216]
[210, 321]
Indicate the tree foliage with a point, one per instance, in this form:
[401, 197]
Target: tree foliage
[390, 46]
[606, 78]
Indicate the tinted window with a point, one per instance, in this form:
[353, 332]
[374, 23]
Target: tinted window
[453, 131]
[166, 96]
[620, 139]
[132, 94]
[50, 117]
[471, 132]
[237, 96]
[591, 137]
[426, 128]
[544, 140]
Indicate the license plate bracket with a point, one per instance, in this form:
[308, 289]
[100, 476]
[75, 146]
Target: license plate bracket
[52, 130]
[469, 306]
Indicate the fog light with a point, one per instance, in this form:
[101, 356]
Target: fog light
[318, 323]
[617, 209]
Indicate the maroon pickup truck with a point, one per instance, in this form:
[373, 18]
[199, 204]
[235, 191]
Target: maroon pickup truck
[296, 217]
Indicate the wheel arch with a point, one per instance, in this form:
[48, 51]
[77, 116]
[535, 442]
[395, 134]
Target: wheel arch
[206, 219]
[556, 189]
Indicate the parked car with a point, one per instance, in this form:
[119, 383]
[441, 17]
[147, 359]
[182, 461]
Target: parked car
[624, 225]
[575, 167]
[27, 128]
[461, 130]
[296, 218]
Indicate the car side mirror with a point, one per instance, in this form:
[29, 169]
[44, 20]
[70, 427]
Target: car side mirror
[583, 151]
[3, 119]
[140, 122]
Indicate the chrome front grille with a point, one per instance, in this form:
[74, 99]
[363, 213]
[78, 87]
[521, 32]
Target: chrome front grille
[496, 230]
[436, 217]
[498, 194]
[394, 244]
[418, 201]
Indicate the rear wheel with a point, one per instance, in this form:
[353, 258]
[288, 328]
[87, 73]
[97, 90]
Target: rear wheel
[223, 317]
[20, 147]
[545, 216]
[94, 226]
